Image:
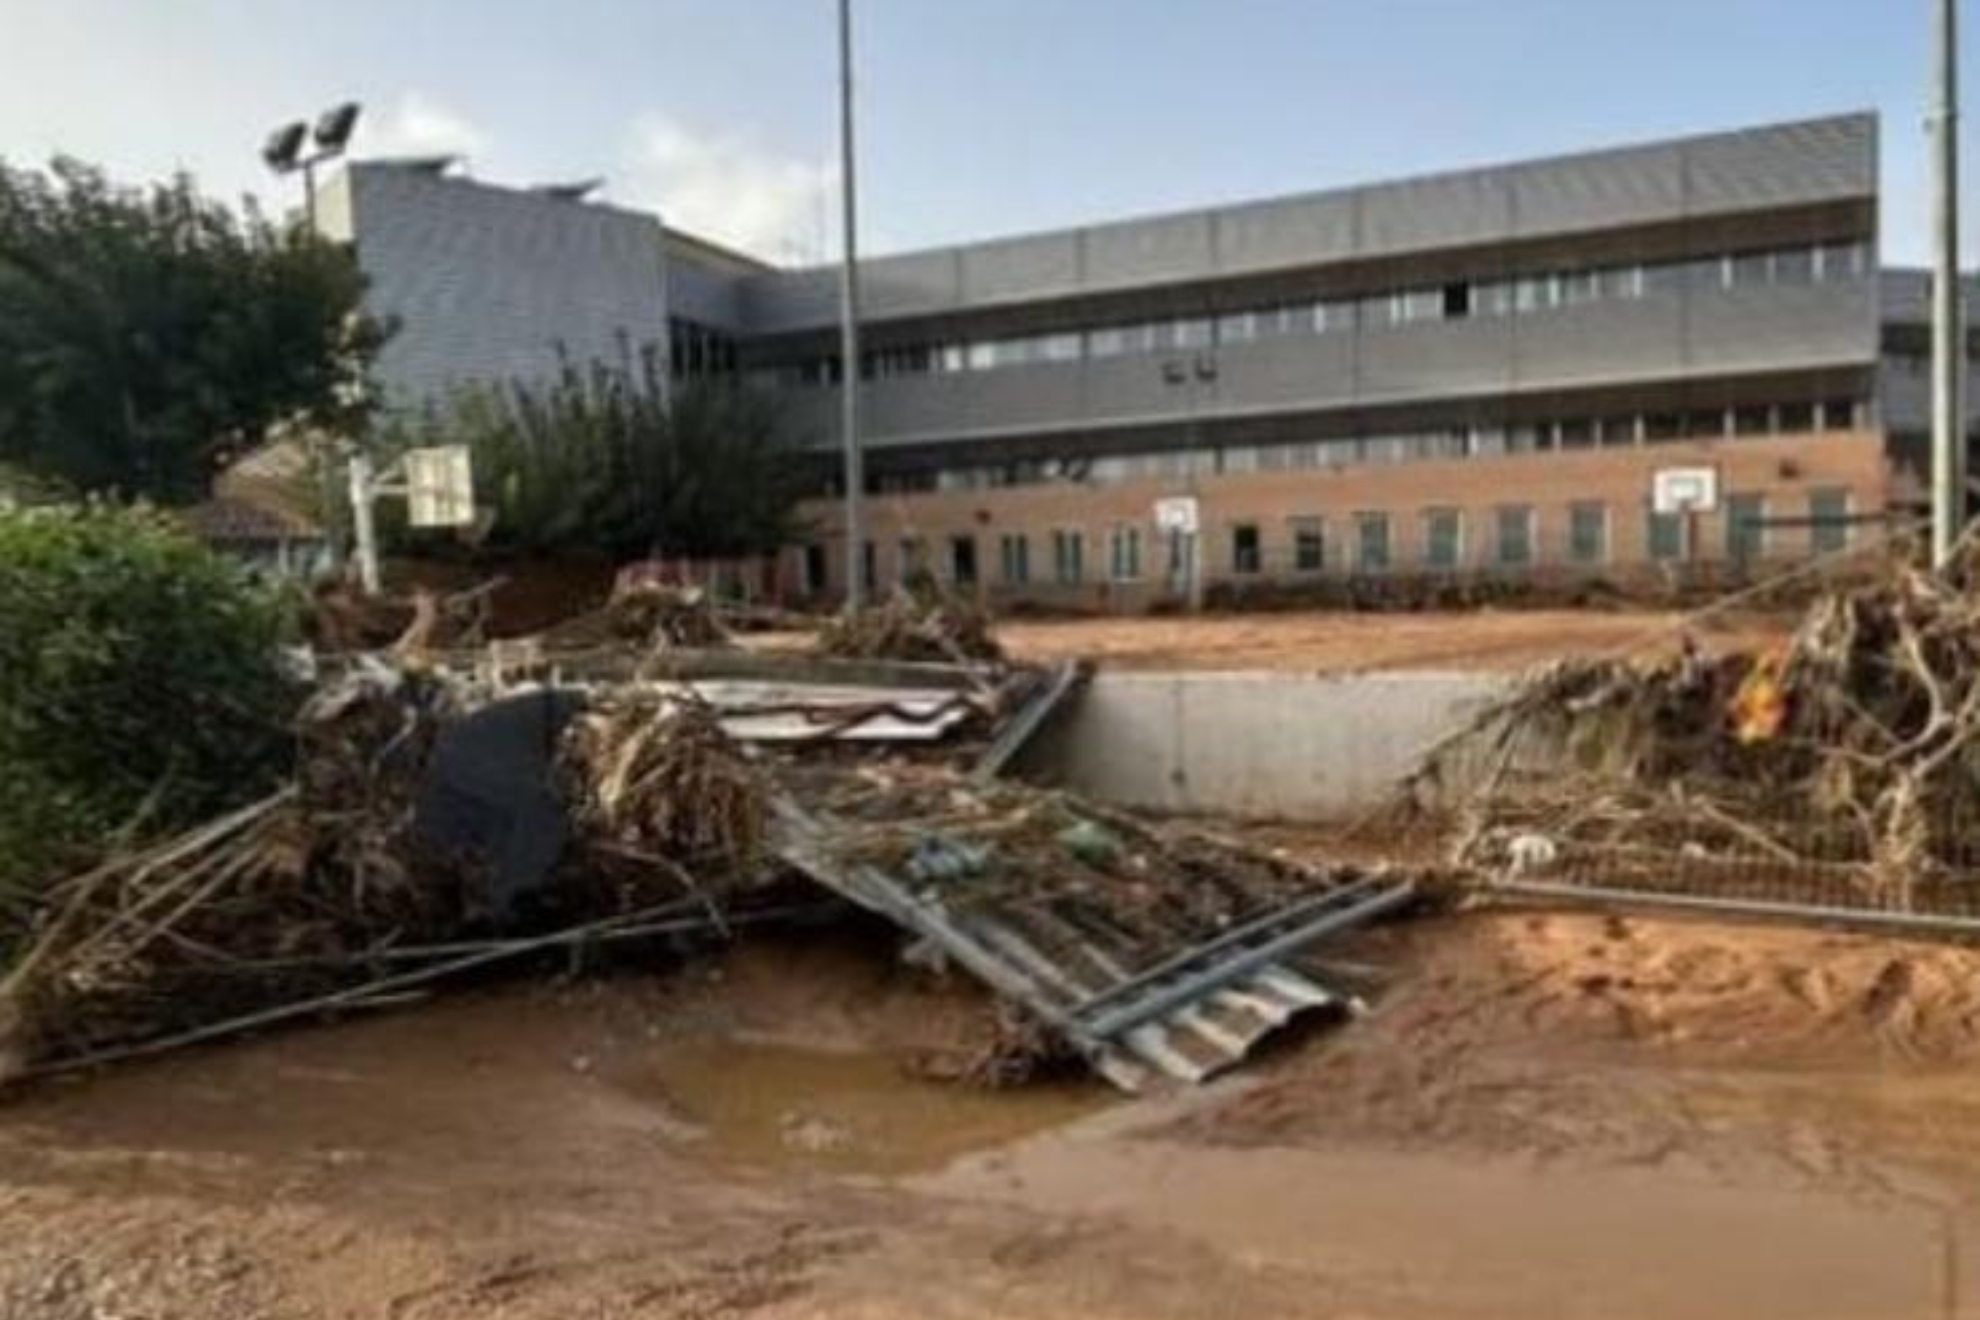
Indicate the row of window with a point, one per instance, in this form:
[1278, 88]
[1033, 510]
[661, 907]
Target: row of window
[1619, 430]
[1308, 545]
[1452, 301]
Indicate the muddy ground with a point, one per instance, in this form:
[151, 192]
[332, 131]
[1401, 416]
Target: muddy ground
[1543, 1115]
[1336, 642]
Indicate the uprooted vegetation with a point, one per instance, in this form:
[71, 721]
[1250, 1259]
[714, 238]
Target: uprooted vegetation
[922, 621]
[1850, 754]
[443, 815]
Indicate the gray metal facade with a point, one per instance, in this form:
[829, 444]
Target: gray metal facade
[1702, 198]
[491, 282]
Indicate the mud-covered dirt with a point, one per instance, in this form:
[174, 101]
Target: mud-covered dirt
[1544, 1115]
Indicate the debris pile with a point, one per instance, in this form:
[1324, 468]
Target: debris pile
[920, 622]
[660, 616]
[328, 894]
[653, 774]
[442, 818]
[1852, 752]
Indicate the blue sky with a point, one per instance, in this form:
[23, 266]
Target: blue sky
[979, 117]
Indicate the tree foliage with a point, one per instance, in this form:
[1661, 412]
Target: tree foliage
[139, 674]
[146, 334]
[601, 461]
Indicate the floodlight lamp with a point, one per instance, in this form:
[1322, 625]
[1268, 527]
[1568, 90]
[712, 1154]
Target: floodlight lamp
[283, 151]
[334, 129]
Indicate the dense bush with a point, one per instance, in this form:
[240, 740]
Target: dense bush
[601, 461]
[139, 678]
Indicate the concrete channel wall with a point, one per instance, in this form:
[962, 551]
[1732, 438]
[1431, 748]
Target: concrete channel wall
[1253, 744]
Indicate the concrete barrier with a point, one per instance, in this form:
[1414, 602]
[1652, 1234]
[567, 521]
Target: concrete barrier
[1254, 744]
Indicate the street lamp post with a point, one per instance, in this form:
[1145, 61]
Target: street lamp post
[849, 375]
[1948, 336]
[299, 148]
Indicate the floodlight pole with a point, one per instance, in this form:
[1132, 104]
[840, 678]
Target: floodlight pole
[1948, 331]
[364, 524]
[855, 476]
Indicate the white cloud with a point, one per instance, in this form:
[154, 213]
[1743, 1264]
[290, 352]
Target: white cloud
[729, 189]
[418, 125]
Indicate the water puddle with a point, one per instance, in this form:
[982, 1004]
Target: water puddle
[783, 1107]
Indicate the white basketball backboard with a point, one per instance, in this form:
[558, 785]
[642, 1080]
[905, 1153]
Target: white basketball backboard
[1178, 513]
[439, 487]
[1685, 490]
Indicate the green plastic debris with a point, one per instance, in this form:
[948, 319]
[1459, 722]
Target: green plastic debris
[1090, 843]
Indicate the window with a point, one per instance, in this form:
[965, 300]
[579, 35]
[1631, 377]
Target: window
[1014, 558]
[1623, 283]
[1190, 334]
[1068, 557]
[1617, 432]
[1492, 299]
[1443, 539]
[1580, 287]
[1662, 426]
[1246, 553]
[1794, 266]
[1753, 421]
[1839, 415]
[1797, 418]
[1577, 433]
[913, 561]
[1828, 521]
[1749, 270]
[962, 560]
[1309, 541]
[1126, 552]
[1515, 542]
[1059, 348]
[1746, 528]
[1240, 328]
[1667, 537]
[1371, 542]
[869, 567]
[1588, 533]
[811, 569]
[1457, 302]
[1837, 262]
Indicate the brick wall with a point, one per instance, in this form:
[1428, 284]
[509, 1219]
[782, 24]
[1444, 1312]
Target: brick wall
[1785, 471]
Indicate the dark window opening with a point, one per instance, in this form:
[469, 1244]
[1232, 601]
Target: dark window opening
[1246, 556]
[962, 560]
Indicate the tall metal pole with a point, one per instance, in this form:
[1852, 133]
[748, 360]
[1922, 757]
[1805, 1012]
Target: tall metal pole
[1948, 332]
[855, 476]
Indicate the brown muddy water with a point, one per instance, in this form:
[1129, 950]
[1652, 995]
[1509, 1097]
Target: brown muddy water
[1499, 1138]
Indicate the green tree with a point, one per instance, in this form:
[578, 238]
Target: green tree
[598, 462]
[146, 335]
[139, 672]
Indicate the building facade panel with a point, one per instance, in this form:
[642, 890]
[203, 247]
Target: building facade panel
[490, 284]
[1762, 329]
[1787, 165]
[1454, 210]
[1636, 341]
[1141, 252]
[1806, 164]
[1276, 235]
[1017, 268]
[1635, 186]
[1424, 361]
